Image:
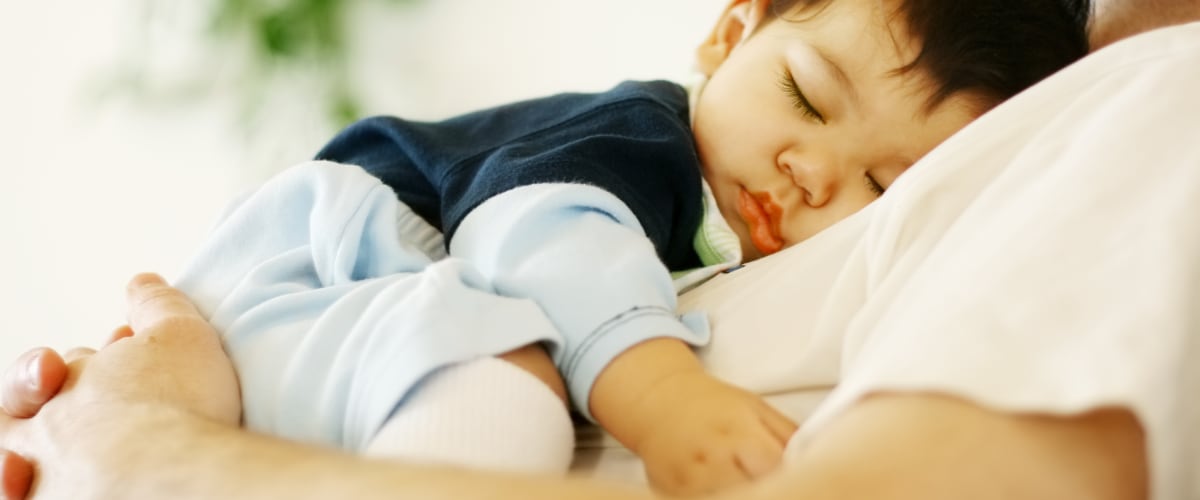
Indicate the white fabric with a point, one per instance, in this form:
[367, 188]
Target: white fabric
[486, 414]
[1045, 259]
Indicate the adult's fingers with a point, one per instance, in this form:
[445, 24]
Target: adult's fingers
[31, 381]
[152, 302]
[16, 474]
[77, 353]
[121, 332]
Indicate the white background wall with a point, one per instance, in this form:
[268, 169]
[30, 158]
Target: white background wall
[95, 190]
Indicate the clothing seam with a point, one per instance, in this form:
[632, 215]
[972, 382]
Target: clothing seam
[572, 364]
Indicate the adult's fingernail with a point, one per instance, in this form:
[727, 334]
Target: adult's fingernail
[33, 371]
[142, 279]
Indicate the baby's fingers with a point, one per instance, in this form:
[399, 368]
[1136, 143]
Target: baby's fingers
[696, 473]
[756, 458]
[780, 426]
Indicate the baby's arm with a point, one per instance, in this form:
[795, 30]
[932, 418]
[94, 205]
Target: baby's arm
[694, 432]
[581, 255]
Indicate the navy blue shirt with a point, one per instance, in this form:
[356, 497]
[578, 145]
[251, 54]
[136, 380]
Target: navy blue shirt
[633, 141]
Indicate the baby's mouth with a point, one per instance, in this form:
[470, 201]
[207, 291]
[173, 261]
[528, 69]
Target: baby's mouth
[762, 216]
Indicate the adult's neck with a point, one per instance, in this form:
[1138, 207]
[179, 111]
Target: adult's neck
[1113, 20]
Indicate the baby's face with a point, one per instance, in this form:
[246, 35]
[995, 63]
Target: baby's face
[807, 121]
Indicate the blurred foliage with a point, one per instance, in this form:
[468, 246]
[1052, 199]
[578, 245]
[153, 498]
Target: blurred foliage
[296, 33]
[184, 52]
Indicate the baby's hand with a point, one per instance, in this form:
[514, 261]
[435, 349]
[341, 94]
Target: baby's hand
[711, 435]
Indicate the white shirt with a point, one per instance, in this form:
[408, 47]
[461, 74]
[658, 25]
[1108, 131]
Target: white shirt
[1046, 259]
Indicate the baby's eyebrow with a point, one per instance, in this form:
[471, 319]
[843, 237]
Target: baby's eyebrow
[838, 74]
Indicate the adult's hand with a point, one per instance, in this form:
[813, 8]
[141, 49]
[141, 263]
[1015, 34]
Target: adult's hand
[30, 382]
[38, 375]
[168, 357]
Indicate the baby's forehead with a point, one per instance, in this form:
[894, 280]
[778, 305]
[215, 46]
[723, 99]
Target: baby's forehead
[874, 28]
[882, 18]
[873, 42]
[857, 44]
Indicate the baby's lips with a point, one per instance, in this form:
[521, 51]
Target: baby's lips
[757, 212]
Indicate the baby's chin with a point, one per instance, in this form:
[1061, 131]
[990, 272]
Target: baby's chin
[749, 251]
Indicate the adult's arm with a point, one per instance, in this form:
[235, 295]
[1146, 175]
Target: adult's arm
[886, 447]
[923, 446]
[153, 416]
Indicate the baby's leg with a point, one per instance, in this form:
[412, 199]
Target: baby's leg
[502, 413]
[535, 360]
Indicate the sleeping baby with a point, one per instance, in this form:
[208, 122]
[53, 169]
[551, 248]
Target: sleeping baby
[453, 291]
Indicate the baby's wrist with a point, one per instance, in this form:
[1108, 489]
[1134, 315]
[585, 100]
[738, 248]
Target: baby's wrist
[628, 396]
[665, 402]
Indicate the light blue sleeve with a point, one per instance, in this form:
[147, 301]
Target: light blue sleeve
[581, 254]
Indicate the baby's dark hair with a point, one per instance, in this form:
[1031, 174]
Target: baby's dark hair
[992, 49]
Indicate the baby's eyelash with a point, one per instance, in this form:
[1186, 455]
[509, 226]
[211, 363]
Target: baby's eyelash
[788, 84]
[873, 185]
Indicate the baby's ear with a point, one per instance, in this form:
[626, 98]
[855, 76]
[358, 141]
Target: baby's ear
[736, 23]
